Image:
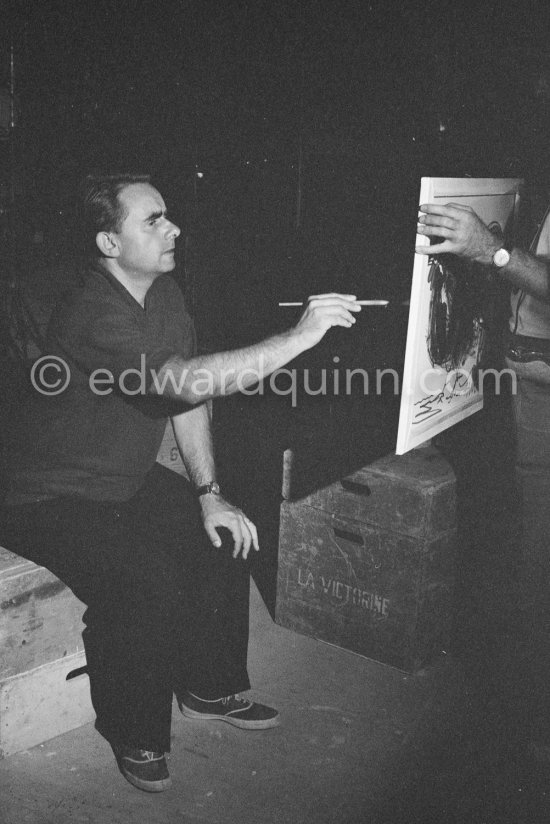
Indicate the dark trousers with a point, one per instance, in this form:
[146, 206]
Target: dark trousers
[532, 412]
[166, 611]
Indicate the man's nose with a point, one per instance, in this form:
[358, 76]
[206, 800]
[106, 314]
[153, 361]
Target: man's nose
[173, 230]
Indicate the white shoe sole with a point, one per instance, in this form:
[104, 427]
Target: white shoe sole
[147, 786]
[234, 720]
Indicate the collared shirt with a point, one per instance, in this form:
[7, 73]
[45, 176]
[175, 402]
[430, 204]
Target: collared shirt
[100, 436]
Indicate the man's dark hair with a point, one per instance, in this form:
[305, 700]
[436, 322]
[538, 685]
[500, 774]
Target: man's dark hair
[101, 209]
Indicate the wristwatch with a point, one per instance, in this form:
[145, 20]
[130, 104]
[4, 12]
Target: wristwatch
[211, 488]
[502, 256]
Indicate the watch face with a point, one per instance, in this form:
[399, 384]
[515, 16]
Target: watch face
[501, 257]
[215, 488]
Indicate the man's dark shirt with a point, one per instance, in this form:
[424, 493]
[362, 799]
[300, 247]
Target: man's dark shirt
[100, 444]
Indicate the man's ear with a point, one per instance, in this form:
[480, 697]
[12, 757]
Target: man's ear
[107, 244]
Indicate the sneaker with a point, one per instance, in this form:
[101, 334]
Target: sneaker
[235, 710]
[144, 769]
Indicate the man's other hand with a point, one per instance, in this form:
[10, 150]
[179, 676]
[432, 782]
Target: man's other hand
[217, 512]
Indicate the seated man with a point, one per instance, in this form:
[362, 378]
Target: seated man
[166, 598]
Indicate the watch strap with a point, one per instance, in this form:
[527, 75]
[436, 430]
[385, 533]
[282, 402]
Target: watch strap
[211, 488]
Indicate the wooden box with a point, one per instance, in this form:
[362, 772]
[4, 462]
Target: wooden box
[40, 644]
[41, 703]
[413, 493]
[368, 563]
[40, 618]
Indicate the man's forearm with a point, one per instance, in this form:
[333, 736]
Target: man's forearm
[528, 272]
[193, 433]
[194, 438]
[198, 379]
[224, 373]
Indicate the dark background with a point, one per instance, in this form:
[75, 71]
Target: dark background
[310, 124]
[288, 140]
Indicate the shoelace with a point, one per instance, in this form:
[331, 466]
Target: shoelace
[149, 755]
[236, 698]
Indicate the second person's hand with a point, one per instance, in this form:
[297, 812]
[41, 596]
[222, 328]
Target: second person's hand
[460, 230]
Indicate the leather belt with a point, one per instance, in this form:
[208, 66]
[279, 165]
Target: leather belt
[523, 349]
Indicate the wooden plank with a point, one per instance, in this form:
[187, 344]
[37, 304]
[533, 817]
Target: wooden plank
[40, 704]
[413, 494]
[40, 618]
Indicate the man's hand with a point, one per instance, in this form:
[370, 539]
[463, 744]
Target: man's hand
[463, 231]
[217, 512]
[324, 311]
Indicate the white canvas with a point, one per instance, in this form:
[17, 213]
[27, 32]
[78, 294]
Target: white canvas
[433, 396]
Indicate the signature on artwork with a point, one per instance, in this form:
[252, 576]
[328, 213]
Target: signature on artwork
[458, 383]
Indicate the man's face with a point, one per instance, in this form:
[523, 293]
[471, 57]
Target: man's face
[146, 239]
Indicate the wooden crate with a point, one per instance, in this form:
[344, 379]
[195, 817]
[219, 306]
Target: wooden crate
[40, 644]
[369, 565]
[413, 493]
[40, 618]
[41, 703]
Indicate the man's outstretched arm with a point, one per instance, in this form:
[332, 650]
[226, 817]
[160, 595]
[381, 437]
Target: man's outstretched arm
[463, 233]
[209, 376]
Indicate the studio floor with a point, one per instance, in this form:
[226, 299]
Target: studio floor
[359, 743]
